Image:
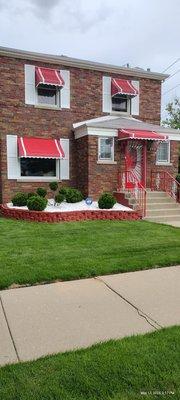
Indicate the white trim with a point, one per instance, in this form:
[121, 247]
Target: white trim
[39, 179]
[90, 131]
[99, 119]
[105, 160]
[172, 136]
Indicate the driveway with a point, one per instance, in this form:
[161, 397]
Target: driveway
[46, 319]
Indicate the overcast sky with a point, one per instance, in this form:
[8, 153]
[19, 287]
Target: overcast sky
[139, 32]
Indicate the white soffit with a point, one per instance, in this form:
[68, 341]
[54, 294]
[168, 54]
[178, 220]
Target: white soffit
[90, 131]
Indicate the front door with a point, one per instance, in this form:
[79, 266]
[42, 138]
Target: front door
[135, 162]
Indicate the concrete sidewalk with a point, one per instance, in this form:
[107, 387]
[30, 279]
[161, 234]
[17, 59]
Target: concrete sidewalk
[46, 319]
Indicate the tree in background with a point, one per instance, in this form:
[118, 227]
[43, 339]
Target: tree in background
[173, 118]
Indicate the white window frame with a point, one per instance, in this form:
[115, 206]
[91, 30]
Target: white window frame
[46, 105]
[164, 162]
[128, 112]
[40, 178]
[105, 160]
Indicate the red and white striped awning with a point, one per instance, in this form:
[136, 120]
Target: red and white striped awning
[31, 147]
[124, 134]
[122, 86]
[48, 76]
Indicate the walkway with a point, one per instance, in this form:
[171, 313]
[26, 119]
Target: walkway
[46, 319]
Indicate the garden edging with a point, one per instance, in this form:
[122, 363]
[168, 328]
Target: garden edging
[44, 216]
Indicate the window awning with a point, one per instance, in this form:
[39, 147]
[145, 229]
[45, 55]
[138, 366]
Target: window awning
[31, 147]
[122, 86]
[124, 134]
[48, 76]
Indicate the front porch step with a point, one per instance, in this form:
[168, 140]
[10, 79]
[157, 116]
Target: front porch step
[154, 193]
[163, 212]
[163, 219]
[157, 200]
[162, 205]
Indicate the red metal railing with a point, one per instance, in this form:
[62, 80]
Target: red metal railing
[165, 182]
[127, 181]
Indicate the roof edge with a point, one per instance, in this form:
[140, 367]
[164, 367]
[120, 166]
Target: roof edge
[78, 63]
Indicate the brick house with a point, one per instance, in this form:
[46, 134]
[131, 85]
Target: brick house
[79, 122]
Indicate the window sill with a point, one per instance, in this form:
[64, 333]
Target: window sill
[46, 107]
[107, 162]
[38, 179]
[163, 163]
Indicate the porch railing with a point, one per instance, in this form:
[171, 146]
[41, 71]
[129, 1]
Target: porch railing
[137, 191]
[163, 181]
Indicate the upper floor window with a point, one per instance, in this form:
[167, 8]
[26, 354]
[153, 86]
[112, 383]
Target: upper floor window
[106, 149]
[120, 103]
[48, 94]
[163, 153]
[48, 84]
[46, 87]
[120, 96]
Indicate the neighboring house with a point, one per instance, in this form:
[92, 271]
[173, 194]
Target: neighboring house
[79, 122]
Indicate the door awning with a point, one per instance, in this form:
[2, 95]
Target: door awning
[122, 86]
[124, 134]
[48, 76]
[31, 147]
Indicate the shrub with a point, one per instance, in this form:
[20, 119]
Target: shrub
[53, 186]
[20, 199]
[63, 190]
[106, 200]
[31, 194]
[73, 196]
[59, 198]
[41, 192]
[178, 177]
[37, 203]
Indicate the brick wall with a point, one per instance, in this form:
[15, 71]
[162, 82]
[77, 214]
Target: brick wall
[86, 103]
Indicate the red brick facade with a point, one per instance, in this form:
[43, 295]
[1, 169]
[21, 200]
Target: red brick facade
[86, 103]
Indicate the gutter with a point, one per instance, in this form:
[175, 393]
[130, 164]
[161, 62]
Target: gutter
[78, 63]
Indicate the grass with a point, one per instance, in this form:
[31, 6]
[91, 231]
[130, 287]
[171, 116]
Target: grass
[37, 252]
[116, 370]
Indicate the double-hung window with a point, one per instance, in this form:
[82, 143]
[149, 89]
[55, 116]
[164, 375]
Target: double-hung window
[106, 149]
[163, 153]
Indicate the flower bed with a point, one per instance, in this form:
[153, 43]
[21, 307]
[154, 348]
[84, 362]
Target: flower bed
[69, 212]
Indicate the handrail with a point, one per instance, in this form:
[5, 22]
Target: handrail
[163, 180]
[138, 191]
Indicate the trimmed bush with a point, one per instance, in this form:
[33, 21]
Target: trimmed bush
[20, 199]
[59, 198]
[31, 194]
[106, 201]
[53, 186]
[63, 190]
[73, 196]
[41, 192]
[37, 203]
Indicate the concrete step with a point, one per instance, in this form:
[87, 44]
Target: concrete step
[163, 206]
[156, 200]
[151, 195]
[163, 218]
[167, 212]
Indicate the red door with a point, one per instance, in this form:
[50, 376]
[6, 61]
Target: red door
[135, 161]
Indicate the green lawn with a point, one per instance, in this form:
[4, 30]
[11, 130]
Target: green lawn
[116, 370]
[37, 252]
